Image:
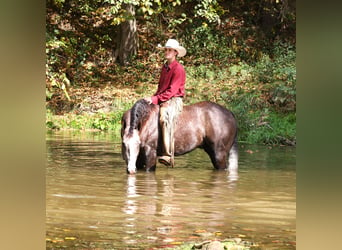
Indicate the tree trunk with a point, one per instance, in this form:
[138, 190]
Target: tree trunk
[127, 42]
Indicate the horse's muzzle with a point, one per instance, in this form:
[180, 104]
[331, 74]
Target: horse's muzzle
[131, 170]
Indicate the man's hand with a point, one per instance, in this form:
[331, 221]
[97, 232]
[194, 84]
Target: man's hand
[148, 99]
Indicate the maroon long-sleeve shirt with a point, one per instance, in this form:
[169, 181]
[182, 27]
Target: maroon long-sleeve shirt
[171, 83]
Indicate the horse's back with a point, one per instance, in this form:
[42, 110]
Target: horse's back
[212, 113]
[221, 125]
[205, 122]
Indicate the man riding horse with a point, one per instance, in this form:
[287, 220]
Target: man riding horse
[169, 96]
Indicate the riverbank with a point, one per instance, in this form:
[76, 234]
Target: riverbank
[265, 112]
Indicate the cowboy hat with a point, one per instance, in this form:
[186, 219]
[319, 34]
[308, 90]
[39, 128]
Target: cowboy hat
[174, 44]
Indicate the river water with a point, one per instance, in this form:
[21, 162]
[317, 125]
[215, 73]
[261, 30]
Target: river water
[91, 203]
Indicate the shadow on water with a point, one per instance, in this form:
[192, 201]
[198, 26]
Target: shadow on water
[92, 203]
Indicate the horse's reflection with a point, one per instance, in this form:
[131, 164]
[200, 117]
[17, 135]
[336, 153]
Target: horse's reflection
[232, 177]
[163, 191]
[158, 204]
[131, 204]
[131, 186]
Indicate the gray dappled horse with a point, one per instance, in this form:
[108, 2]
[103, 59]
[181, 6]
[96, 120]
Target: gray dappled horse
[205, 125]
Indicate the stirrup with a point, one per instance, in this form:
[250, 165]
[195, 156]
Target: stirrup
[166, 160]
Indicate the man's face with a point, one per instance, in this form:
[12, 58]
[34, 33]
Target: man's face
[170, 54]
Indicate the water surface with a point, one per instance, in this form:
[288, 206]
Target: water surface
[92, 203]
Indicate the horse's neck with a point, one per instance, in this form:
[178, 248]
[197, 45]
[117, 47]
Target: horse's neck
[150, 123]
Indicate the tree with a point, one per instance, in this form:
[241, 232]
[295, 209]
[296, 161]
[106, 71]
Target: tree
[127, 39]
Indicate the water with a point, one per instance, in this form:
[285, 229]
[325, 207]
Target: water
[92, 203]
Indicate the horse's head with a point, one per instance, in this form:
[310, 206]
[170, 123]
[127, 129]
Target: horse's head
[133, 122]
[130, 149]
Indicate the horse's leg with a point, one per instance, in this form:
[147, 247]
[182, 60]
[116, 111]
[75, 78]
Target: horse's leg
[220, 159]
[141, 160]
[233, 157]
[150, 159]
[217, 154]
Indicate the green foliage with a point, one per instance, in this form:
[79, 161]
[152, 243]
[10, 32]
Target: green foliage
[278, 74]
[268, 128]
[98, 121]
[258, 120]
[207, 45]
[279, 68]
[207, 9]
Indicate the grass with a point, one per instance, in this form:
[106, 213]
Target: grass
[98, 121]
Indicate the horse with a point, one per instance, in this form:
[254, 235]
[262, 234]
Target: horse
[205, 125]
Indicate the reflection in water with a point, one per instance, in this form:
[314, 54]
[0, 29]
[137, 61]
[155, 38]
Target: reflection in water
[233, 176]
[130, 209]
[131, 193]
[92, 202]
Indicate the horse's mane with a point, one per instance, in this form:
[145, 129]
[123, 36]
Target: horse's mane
[139, 113]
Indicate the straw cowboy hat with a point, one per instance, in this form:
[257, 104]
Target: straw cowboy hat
[174, 44]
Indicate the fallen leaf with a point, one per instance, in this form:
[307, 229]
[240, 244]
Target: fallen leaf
[176, 243]
[200, 231]
[70, 238]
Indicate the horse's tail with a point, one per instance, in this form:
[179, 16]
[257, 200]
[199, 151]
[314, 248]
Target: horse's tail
[234, 153]
[139, 112]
